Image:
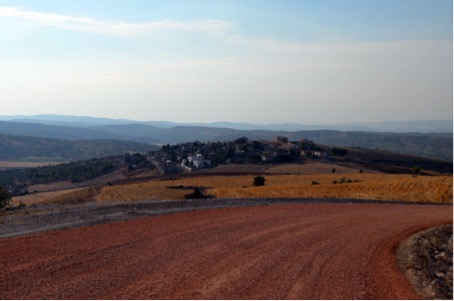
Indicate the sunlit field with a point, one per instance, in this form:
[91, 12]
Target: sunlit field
[405, 188]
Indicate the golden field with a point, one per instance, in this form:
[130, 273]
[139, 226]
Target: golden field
[370, 186]
[436, 189]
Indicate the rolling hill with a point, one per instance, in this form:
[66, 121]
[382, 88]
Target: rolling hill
[32, 148]
[430, 145]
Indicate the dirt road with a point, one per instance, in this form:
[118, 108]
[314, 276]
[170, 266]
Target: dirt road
[310, 251]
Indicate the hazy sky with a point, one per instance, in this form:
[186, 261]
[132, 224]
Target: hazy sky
[302, 61]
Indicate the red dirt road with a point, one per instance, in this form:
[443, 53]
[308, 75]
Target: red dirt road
[317, 251]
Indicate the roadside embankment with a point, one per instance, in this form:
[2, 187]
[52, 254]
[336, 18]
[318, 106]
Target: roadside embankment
[426, 259]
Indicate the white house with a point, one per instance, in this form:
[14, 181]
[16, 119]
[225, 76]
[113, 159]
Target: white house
[199, 161]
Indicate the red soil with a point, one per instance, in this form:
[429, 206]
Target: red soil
[320, 251]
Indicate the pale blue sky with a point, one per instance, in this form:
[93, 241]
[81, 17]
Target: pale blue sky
[306, 61]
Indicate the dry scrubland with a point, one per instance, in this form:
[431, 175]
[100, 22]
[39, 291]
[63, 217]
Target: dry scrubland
[407, 188]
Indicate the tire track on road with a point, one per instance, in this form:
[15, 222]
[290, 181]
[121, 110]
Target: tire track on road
[300, 251]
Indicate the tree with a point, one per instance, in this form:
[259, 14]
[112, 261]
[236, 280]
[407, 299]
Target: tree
[242, 140]
[259, 181]
[339, 151]
[416, 170]
[5, 197]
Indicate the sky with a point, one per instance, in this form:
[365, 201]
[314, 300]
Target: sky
[281, 61]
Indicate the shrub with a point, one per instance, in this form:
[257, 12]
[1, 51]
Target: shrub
[315, 182]
[259, 181]
[416, 170]
[5, 197]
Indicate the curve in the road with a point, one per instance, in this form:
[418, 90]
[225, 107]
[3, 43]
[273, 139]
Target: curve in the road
[318, 251]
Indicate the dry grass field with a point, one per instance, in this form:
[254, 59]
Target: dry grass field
[282, 181]
[364, 186]
[407, 188]
[43, 197]
[308, 168]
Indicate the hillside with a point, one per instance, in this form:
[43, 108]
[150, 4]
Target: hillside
[33, 148]
[196, 157]
[435, 145]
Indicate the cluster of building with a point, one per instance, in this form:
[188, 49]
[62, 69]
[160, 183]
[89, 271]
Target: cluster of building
[197, 155]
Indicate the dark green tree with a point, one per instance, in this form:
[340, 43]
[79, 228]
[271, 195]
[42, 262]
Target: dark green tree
[259, 181]
[339, 151]
[5, 197]
[242, 140]
[416, 170]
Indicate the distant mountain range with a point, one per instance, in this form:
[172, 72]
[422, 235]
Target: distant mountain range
[436, 144]
[426, 126]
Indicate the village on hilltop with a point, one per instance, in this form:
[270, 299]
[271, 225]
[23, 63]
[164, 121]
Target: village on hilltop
[197, 155]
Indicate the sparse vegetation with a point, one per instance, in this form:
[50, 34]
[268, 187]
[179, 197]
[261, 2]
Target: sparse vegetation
[344, 180]
[426, 260]
[315, 183]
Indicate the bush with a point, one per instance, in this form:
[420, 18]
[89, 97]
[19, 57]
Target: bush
[315, 182]
[416, 170]
[5, 197]
[259, 181]
[197, 194]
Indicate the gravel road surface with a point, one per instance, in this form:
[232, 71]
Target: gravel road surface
[293, 251]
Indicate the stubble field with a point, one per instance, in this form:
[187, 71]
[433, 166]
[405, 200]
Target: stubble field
[405, 188]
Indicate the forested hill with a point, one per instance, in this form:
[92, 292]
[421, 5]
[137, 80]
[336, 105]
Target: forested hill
[26, 148]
